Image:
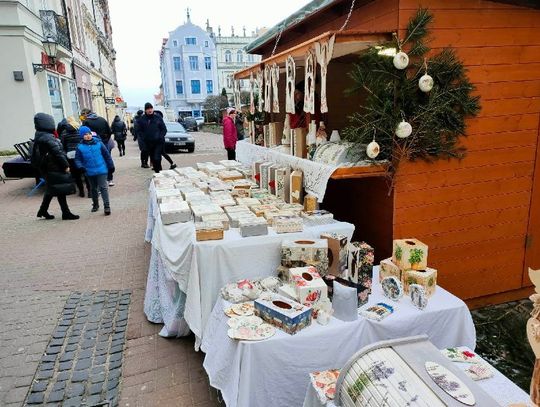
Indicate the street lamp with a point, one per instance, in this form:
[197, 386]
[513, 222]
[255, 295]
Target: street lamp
[51, 48]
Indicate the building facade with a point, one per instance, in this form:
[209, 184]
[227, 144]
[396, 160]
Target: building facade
[188, 69]
[31, 81]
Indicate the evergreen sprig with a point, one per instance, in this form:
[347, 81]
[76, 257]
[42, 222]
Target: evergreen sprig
[390, 95]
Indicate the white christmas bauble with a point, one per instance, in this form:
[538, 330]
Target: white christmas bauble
[401, 60]
[403, 129]
[425, 83]
[373, 149]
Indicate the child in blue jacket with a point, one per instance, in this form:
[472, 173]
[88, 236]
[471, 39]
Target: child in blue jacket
[93, 157]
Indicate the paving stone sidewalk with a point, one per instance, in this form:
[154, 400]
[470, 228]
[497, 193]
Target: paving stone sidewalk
[47, 264]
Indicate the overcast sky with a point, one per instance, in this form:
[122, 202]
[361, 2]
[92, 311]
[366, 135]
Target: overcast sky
[139, 26]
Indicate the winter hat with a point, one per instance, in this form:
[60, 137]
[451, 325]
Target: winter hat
[148, 105]
[230, 110]
[44, 122]
[84, 130]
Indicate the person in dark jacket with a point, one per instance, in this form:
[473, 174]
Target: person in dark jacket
[239, 123]
[118, 127]
[152, 130]
[52, 161]
[140, 141]
[69, 137]
[164, 153]
[95, 160]
[101, 127]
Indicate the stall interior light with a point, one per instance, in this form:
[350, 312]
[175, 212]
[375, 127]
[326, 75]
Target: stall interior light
[387, 52]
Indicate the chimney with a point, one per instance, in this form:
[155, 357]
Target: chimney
[244, 29]
[232, 31]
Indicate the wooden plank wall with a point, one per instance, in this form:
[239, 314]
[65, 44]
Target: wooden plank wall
[474, 214]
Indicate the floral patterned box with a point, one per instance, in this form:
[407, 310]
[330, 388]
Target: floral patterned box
[308, 284]
[426, 278]
[388, 268]
[360, 265]
[337, 253]
[284, 313]
[410, 254]
[283, 183]
[307, 251]
[287, 224]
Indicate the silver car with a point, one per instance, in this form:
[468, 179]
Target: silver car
[177, 138]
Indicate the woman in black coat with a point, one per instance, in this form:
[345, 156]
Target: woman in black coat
[69, 136]
[119, 129]
[53, 165]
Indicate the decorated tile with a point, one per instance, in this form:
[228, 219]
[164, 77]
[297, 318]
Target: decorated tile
[418, 296]
[450, 383]
[392, 288]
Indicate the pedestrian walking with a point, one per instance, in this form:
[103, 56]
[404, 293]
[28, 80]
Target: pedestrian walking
[164, 153]
[151, 129]
[229, 133]
[101, 127]
[94, 159]
[119, 129]
[69, 137]
[49, 157]
[140, 141]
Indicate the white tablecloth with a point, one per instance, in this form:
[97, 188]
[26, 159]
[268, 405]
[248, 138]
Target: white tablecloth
[316, 175]
[201, 269]
[275, 372]
[499, 387]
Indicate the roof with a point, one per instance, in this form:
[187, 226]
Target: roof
[312, 7]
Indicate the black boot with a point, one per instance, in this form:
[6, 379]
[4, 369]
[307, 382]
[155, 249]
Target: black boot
[107, 211]
[69, 216]
[95, 207]
[81, 193]
[44, 214]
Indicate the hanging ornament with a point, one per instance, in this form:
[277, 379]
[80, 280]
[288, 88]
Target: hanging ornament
[403, 129]
[425, 83]
[373, 149]
[401, 60]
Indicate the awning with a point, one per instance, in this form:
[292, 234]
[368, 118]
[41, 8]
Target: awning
[346, 42]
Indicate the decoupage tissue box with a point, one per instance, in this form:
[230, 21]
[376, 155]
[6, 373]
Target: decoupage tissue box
[252, 226]
[208, 230]
[296, 187]
[284, 313]
[387, 268]
[360, 264]
[283, 183]
[308, 284]
[174, 212]
[317, 217]
[426, 278]
[287, 224]
[337, 253]
[301, 252]
[162, 193]
[410, 254]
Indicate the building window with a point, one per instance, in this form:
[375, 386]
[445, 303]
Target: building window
[208, 62]
[229, 82]
[209, 87]
[228, 56]
[179, 88]
[195, 87]
[241, 83]
[194, 63]
[191, 41]
[196, 113]
[177, 63]
[175, 43]
[239, 57]
[73, 97]
[250, 58]
[56, 98]
[206, 44]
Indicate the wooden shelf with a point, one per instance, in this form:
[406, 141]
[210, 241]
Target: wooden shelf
[360, 172]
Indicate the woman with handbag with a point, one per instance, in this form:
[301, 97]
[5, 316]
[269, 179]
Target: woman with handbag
[94, 158]
[54, 167]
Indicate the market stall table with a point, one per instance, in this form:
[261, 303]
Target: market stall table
[499, 387]
[185, 276]
[274, 372]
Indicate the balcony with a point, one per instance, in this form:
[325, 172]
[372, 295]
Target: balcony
[55, 26]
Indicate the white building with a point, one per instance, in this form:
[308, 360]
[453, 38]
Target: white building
[188, 69]
[31, 82]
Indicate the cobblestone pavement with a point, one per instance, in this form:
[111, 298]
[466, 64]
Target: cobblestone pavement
[44, 265]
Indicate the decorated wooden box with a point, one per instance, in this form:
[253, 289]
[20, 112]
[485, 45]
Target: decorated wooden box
[253, 226]
[257, 171]
[426, 278]
[297, 188]
[410, 254]
[248, 201]
[295, 208]
[272, 178]
[317, 217]
[236, 217]
[310, 203]
[301, 252]
[299, 142]
[308, 284]
[283, 183]
[287, 224]
[284, 313]
[208, 230]
[230, 175]
[174, 211]
[259, 210]
[387, 268]
[206, 209]
[236, 208]
[218, 217]
[360, 265]
[337, 253]
[276, 132]
[230, 163]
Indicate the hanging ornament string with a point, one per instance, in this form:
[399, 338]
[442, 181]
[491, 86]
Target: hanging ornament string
[277, 40]
[348, 16]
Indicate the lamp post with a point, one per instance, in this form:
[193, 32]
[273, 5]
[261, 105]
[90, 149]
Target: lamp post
[51, 48]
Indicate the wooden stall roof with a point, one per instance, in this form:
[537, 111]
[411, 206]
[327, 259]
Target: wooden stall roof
[346, 42]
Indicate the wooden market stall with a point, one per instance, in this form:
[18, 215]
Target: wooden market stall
[480, 216]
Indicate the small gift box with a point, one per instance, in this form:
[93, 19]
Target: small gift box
[282, 312]
[253, 226]
[308, 284]
[287, 224]
[296, 187]
[317, 217]
[307, 251]
[236, 217]
[248, 201]
[410, 254]
[218, 217]
[230, 163]
[283, 183]
[230, 175]
[427, 278]
[162, 193]
[295, 208]
[174, 211]
[310, 203]
[360, 262]
[206, 209]
[389, 269]
[208, 230]
[259, 210]
[337, 253]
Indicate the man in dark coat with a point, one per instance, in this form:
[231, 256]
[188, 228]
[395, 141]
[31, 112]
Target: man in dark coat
[52, 163]
[101, 127]
[151, 129]
[118, 127]
[140, 141]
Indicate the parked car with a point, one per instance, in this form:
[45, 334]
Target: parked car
[200, 121]
[177, 138]
[190, 123]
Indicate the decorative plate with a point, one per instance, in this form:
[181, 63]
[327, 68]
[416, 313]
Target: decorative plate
[479, 371]
[461, 355]
[236, 322]
[392, 288]
[448, 382]
[243, 309]
[252, 333]
[418, 296]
